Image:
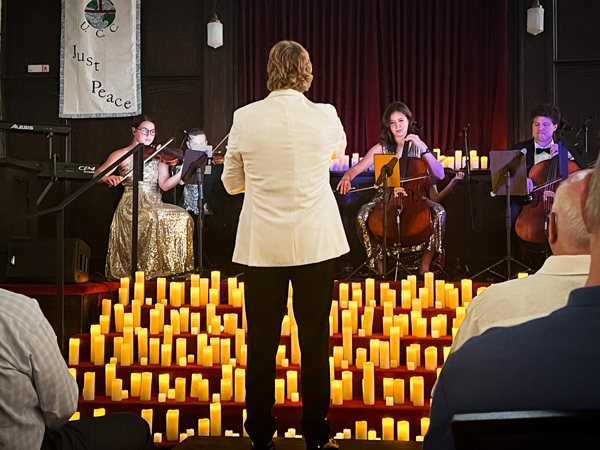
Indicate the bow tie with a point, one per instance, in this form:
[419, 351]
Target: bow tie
[542, 150]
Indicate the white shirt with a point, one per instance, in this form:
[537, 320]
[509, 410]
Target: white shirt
[517, 301]
[279, 153]
[36, 389]
[539, 157]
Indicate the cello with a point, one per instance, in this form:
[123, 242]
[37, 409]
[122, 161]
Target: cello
[532, 223]
[409, 206]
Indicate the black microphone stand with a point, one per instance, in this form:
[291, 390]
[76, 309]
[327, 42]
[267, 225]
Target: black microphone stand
[200, 165]
[506, 174]
[465, 133]
[386, 172]
[585, 130]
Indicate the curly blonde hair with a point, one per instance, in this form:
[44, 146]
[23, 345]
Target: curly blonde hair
[289, 67]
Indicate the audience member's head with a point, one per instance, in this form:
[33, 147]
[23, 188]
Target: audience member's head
[592, 205]
[567, 232]
[289, 67]
[591, 218]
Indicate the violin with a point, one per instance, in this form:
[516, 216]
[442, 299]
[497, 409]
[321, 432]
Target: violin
[165, 155]
[407, 204]
[532, 223]
[154, 151]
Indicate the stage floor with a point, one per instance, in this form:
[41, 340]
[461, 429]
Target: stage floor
[232, 443]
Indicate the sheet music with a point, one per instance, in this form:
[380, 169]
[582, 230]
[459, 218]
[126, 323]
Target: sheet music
[201, 148]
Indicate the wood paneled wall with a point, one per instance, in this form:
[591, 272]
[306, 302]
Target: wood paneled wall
[560, 65]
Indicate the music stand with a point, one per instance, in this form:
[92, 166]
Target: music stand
[506, 166]
[194, 165]
[387, 173]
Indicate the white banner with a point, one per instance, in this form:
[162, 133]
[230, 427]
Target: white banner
[100, 59]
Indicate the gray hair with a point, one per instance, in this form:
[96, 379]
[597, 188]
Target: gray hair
[592, 204]
[569, 221]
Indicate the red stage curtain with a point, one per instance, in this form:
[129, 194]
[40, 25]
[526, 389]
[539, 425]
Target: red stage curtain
[447, 60]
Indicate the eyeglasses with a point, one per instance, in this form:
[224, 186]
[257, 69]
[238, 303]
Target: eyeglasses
[146, 131]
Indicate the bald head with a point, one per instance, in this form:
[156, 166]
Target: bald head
[592, 204]
[567, 232]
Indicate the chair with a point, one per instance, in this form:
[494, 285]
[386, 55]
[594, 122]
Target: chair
[531, 430]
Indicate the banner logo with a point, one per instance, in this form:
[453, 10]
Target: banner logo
[100, 13]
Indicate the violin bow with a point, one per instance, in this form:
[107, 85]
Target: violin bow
[215, 149]
[158, 149]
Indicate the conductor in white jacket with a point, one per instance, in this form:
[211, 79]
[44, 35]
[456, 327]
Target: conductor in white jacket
[290, 229]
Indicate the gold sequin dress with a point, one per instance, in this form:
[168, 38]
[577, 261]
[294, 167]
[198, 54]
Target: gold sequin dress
[165, 231]
[411, 256]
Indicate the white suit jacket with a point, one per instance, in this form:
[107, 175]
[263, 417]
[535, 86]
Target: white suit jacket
[279, 153]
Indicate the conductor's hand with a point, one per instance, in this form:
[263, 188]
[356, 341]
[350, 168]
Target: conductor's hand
[218, 159]
[111, 180]
[529, 185]
[344, 185]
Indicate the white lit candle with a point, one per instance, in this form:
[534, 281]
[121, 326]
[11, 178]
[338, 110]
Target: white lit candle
[337, 396]
[431, 358]
[240, 385]
[99, 350]
[418, 391]
[74, 351]
[146, 387]
[116, 394]
[138, 290]
[203, 392]
[295, 342]
[412, 279]
[154, 351]
[172, 425]
[279, 391]
[483, 162]
[166, 355]
[215, 419]
[368, 383]
[180, 389]
[175, 294]
[387, 426]
[403, 430]
[147, 416]
[466, 289]
[118, 317]
[360, 428]
[89, 386]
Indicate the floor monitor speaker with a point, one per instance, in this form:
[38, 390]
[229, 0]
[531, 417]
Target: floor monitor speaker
[34, 261]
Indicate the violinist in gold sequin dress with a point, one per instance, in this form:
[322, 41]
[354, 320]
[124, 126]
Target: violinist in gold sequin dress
[165, 231]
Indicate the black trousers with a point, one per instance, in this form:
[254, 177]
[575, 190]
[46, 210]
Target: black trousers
[110, 432]
[266, 301]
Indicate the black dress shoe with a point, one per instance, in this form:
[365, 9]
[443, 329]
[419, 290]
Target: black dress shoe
[329, 444]
[269, 446]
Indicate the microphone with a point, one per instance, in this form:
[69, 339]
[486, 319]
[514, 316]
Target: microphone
[464, 130]
[388, 169]
[588, 120]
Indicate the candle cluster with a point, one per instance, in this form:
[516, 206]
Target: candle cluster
[458, 161]
[187, 346]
